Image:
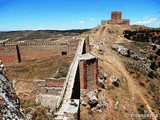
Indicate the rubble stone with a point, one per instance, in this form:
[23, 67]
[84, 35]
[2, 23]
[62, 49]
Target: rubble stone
[9, 102]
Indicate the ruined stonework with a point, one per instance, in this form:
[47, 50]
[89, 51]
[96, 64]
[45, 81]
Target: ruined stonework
[9, 102]
[88, 72]
[116, 18]
[17, 52]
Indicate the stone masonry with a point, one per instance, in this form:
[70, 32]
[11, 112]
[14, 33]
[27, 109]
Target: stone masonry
[88, 71]
[116, 18]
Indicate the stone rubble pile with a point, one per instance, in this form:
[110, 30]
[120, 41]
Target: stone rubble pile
[101, 79]
[126, 52]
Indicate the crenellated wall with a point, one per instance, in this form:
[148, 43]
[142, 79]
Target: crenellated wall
[36, 50]
[116, 18]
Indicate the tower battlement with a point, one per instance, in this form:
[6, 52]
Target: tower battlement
[116, 18]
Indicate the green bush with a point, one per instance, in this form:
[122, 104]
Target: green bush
[62, 72]
[28, 103]
[141, 84]
[154, 47]
[151, 74]
[153, 66]
[158, 52]
[150, 57]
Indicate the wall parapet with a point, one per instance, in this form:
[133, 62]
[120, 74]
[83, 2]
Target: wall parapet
[34, 44]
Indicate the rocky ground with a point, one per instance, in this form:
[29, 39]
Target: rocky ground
[125, 88]
[9, 102]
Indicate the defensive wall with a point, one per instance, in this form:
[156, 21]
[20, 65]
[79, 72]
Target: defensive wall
[11, 52]
[79, 77]
[82, 73]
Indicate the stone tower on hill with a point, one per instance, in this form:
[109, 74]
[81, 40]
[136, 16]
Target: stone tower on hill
[116, 15]
[116, 18]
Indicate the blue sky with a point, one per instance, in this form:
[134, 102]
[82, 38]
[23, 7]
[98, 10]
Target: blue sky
[74, 14]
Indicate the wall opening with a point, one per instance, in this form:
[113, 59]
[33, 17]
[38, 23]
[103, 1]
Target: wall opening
[63, 53]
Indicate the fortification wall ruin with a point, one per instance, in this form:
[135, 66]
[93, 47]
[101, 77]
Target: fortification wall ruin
[8, 54]
[50, 86]
[88, 73]
[36, 50]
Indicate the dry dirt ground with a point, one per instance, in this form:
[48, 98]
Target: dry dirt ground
[23, 75]
[130, 95]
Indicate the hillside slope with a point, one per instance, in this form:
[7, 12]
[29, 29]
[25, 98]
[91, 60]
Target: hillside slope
[137, 93]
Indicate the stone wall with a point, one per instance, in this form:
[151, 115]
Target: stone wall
[88, 73]
[116, 15]
[34, 51]
[50, 86]
[116, 18]
[8, 54]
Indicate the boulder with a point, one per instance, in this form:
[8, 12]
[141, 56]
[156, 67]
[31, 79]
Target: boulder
[92, 98]
[83, 103]
[115, 81]
[126, 52]
[100, 52]
[2, 69]
[121, 50]
[105, 104]
[116, 105]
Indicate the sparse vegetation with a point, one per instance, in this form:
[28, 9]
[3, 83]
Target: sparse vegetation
[143, 35]
[141, 109]
[142, 84]
[153, 66]
[25, 103]
[62, 72]
[154, 47]
[151, 74]
[158, 52]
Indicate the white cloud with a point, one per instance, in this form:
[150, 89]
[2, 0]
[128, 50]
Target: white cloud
[147, 21]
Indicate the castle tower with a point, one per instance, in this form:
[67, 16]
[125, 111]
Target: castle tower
[116, 15]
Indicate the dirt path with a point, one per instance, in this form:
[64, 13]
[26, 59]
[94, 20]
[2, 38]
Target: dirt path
[114, 63]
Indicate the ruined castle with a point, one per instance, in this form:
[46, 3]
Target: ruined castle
[116, 18]
[82, 73]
